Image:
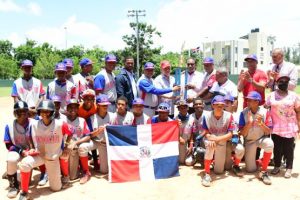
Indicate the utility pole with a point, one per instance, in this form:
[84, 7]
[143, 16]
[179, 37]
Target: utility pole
[66, 38]
[137, 14]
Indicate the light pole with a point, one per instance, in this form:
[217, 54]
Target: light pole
[137, 14]
[66, 37]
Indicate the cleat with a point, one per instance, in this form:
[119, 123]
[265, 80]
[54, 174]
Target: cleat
[206, 180]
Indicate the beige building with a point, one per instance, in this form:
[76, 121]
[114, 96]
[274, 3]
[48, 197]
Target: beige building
[231, 53]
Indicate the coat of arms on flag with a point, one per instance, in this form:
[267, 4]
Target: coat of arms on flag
[143, 152]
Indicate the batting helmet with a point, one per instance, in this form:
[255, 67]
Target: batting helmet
[72, 101]
[20, 105]
[45, 105]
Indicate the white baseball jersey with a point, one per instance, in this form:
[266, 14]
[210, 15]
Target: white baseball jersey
[186, 128]
[161, 81]
[143, 119]
[198, 122]
[96, 121]
[149, 99]
[65, 90]
[227, 88]
[80, 128]
[48, 140]
[105, 82]
[122, 120]
[29, 91]
[195, 79]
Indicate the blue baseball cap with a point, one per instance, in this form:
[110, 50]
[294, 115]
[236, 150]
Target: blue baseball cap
[26, 63]
[56, 98]
[149, 65]
[229, 98]
[254, 95]
[110, 58]
[102, 99]
[60, 67]
[85, 61]
[163, 107]
[138, 101]
[252, 57]
[208, 60]
[218, 100]
[68, 62]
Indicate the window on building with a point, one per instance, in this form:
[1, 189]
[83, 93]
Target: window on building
[244, 65]
[235, 64]
[213, 51]
[223, 50]
[261, 48]
[261, 62]
[236, 50]
[245, 51]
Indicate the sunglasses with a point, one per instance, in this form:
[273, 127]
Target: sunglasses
[190, 64]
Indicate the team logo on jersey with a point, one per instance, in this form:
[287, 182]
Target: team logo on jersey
[145, 152]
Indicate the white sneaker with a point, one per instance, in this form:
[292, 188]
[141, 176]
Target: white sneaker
[288, 173]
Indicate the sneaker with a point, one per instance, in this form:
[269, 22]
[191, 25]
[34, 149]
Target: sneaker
[288, 173]
[275, 171]
[12, 193]
[24, 196]
[237, 171]
[65, 180]
[43, 179]
[4, 176]
[86, 177]
[206, 180]
[265, 178]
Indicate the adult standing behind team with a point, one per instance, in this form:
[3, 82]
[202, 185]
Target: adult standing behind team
[280, 67]
[166, 81]
[252, 80]
[125, 82]
[148, 92]
[194, 81]
[28, 88]
[104, 81]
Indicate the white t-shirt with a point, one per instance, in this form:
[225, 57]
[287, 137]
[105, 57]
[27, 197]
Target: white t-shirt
[227, 88]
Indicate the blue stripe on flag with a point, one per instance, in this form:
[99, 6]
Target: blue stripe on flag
[166, 167]
[122, 135]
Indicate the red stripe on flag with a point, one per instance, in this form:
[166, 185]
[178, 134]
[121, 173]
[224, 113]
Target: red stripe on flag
[124, 170]
[165, 132]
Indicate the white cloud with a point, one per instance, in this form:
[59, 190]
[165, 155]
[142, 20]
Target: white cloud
[34, 8]
[9, 6]
[193, 20]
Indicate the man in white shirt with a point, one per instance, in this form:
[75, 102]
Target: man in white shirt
[280, 67]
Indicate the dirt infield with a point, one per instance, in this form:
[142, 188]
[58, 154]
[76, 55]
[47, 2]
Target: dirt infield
[186, 186]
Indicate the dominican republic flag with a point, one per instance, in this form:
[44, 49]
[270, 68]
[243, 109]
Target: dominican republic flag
[143, 152]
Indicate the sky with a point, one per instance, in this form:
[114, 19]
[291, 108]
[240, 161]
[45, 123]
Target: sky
[102, 23]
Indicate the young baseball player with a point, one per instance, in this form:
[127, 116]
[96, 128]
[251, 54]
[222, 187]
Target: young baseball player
[163, 111]
[17, 141]
[122, 116]
[57, 103]
[186, 133]
[96, 125]
[255, 125]
[28, 88]
[47, 135]
[80, 136]
[104, 81]
[218, 126]
[235, 144]
[137, 110]
[61, 86]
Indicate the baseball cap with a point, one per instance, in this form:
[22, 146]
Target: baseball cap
[163, 107]
[68, 62]
[102, 99]
[229, 98]
[138, 101]
[56, 98]
[254, 95]
[208, 60]
[110, 58]
[88, 92]
[26, 63]
[72, 101]
[165, 64]
[283, 76]
[149, 65]
[252, 57]
[60, 67]
[182, 103]
[218, 100]
[85, 61]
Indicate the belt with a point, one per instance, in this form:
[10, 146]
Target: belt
[150, 107]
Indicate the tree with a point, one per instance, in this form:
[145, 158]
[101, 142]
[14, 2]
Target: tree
[8, 68]
[29, 50]
[45, 65]
[6, 48]
[146, 50]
